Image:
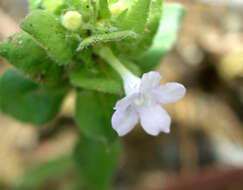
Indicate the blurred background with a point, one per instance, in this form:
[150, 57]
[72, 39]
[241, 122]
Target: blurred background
[204, 149]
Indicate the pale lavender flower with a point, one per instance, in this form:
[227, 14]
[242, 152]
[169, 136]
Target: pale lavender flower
[142, 103]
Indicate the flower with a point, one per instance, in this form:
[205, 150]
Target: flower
[142, 103]
[143, 98]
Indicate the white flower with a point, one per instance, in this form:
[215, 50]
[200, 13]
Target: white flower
[142, 103]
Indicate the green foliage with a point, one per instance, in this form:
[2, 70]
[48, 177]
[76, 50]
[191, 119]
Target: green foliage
[151, 16]
[93, 115]
[48, 31]
[27, 101]
[99, 75]
[58, 59]
[96, 162]
[152, 26]
[37, 64]
[104, 12]
[103, 38]
[165, 38]
[137, 16]
[96, 79]
[38, 176]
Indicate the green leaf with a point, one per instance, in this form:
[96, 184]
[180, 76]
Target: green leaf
[93, 115]
[16, 49]
[42, 174]
[152, 26]
[137, 16]
[95, 80]
[99, 76]
[95, 76]
[165, 38]
[96, 163]
[104, 9]
[47, 29]
[140, 45]
[104, 38]
[27, 101]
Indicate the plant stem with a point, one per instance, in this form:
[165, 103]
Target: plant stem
[131, 81]
[114, 62]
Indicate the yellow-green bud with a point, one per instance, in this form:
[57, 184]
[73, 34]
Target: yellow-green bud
[72, 20]
[117, 8]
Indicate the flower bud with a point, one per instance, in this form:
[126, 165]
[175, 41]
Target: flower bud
[72, 20]
[117, 8]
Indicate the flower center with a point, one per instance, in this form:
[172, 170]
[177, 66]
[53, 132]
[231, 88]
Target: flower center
[143, 99]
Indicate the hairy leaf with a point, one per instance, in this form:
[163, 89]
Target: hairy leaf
[152, 26]
[47, 29]
[103, 38]
[144, 41]
[137, 16]
[98, 75]
[37, 64]
[165, 38]
[95, 80]
[104, 11]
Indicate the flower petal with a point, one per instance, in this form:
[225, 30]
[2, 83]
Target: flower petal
[125, 102]
[150, 81]
[170, 92]
[123, 121]
[154, 119]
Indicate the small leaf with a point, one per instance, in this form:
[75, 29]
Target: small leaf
[95, 76]
[103, 38]
[165, 38]
[96, 162]
[93, 115]
[46, 28]
[27, 101]
[104, 9]
[16, 49]
[137, 16]
[152, 26]
[139, 46]
[99, 76]
[95, 81]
